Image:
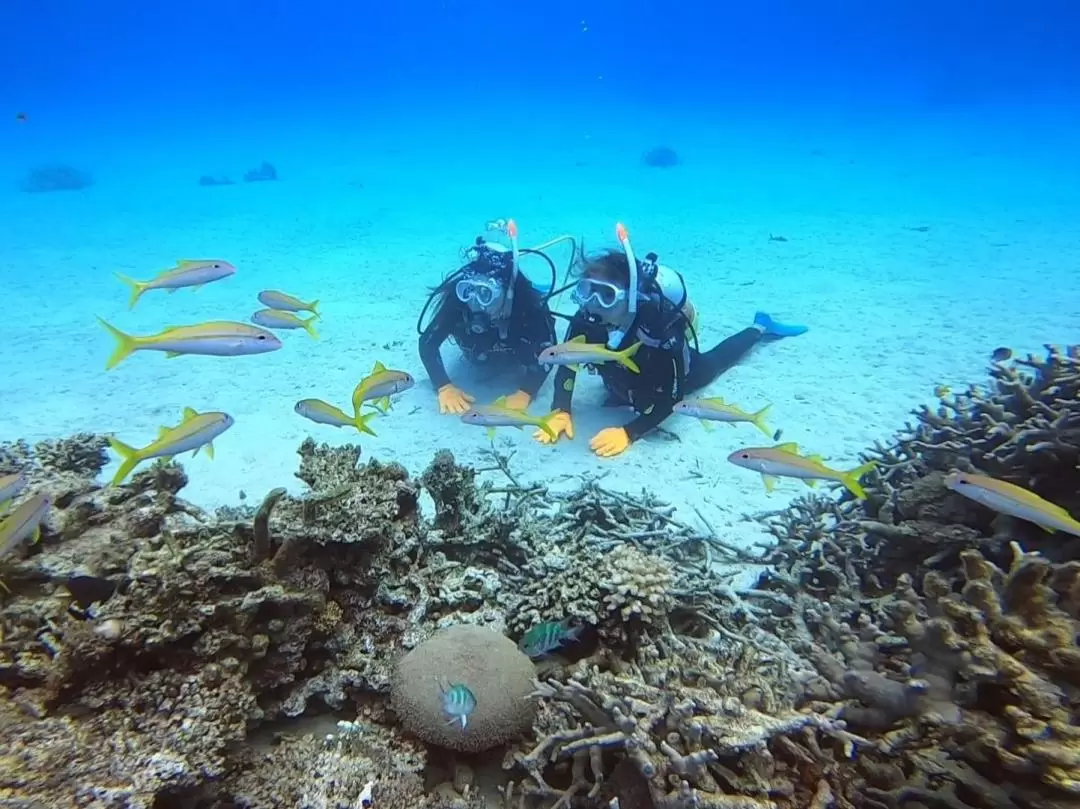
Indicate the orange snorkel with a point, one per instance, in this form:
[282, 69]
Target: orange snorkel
[623, 236]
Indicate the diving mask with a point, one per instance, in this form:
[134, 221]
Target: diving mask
[590, 291]
[481, 290]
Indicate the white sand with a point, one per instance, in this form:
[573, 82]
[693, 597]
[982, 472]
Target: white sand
[892, 312]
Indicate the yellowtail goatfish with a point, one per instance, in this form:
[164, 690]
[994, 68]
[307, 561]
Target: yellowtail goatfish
[188, 272]
[286, 303]
[197, 430]
[577, 352]
[499, 415]
[23, 522]
[1013, 500]
[378, 386]
[717, 409]
[280, 319]
[219, 338]
[322, 412]
[784, 461]
[11, 486]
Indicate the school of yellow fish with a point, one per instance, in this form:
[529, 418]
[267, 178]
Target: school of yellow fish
[20, 519]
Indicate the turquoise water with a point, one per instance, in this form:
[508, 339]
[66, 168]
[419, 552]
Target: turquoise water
[922, 167]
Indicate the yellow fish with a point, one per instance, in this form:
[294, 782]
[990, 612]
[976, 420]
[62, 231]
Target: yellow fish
[188, 272]
[379, 386]
[784, 461]
[24, 521]
[219, 338]
[197, 430]
[1013, 500]
[11, 486]
[280, 319]
[499, 415]
[322, 412]
[286, 303]
[577, 352]
[716, 409]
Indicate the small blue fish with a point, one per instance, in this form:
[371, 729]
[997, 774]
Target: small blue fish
[547, 637]
[458, 703]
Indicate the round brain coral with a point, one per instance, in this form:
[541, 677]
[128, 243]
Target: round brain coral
[489, 664]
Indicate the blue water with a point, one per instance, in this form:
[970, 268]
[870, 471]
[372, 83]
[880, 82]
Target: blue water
[921, 159]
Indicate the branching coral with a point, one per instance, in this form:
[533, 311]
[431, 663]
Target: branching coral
[933, 633]
[896, 653]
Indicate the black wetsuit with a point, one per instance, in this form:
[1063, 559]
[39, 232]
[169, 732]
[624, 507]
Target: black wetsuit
[530, 330]
[668, 371]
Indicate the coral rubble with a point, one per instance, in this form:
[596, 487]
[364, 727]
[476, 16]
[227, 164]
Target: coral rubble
[907, 651]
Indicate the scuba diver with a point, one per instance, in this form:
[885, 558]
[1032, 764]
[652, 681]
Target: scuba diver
[619, 308]
[494, 314]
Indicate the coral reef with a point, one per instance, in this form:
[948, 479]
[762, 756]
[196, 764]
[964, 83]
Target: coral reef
[211, 180]
[937, 631]
[912, 651]
[55, 177]
[265, 172]
[662, 157]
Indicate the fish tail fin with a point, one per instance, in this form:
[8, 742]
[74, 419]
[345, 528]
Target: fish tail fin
[625, 358]
[125, 344]
[360, 421]
[137, 288]
[314, 308]
[309, 326]
[758, 420]
[129, 459]
[851, 479]
[544, 424]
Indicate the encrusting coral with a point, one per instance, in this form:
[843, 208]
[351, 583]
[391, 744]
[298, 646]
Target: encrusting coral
[913, 651]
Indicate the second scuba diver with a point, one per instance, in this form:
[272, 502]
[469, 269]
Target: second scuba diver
[495, 315]
[649, 305]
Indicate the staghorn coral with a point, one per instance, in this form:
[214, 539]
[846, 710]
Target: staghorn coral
[1024, 427]
[489, 665]
[934, 635]
[691, 736]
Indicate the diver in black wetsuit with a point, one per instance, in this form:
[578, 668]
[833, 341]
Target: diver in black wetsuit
[495, 315]
[651, 307]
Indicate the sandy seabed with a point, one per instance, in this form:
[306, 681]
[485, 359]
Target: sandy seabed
[910, 258]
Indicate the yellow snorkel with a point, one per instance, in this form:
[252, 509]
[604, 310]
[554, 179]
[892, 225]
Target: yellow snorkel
[623, 236]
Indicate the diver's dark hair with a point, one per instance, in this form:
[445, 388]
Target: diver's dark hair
[610, 265]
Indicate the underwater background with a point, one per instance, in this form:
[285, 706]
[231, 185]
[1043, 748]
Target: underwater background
[919, 160]
[901, 178]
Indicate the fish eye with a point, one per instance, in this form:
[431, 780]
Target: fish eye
[745, 456]
[261, 337]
